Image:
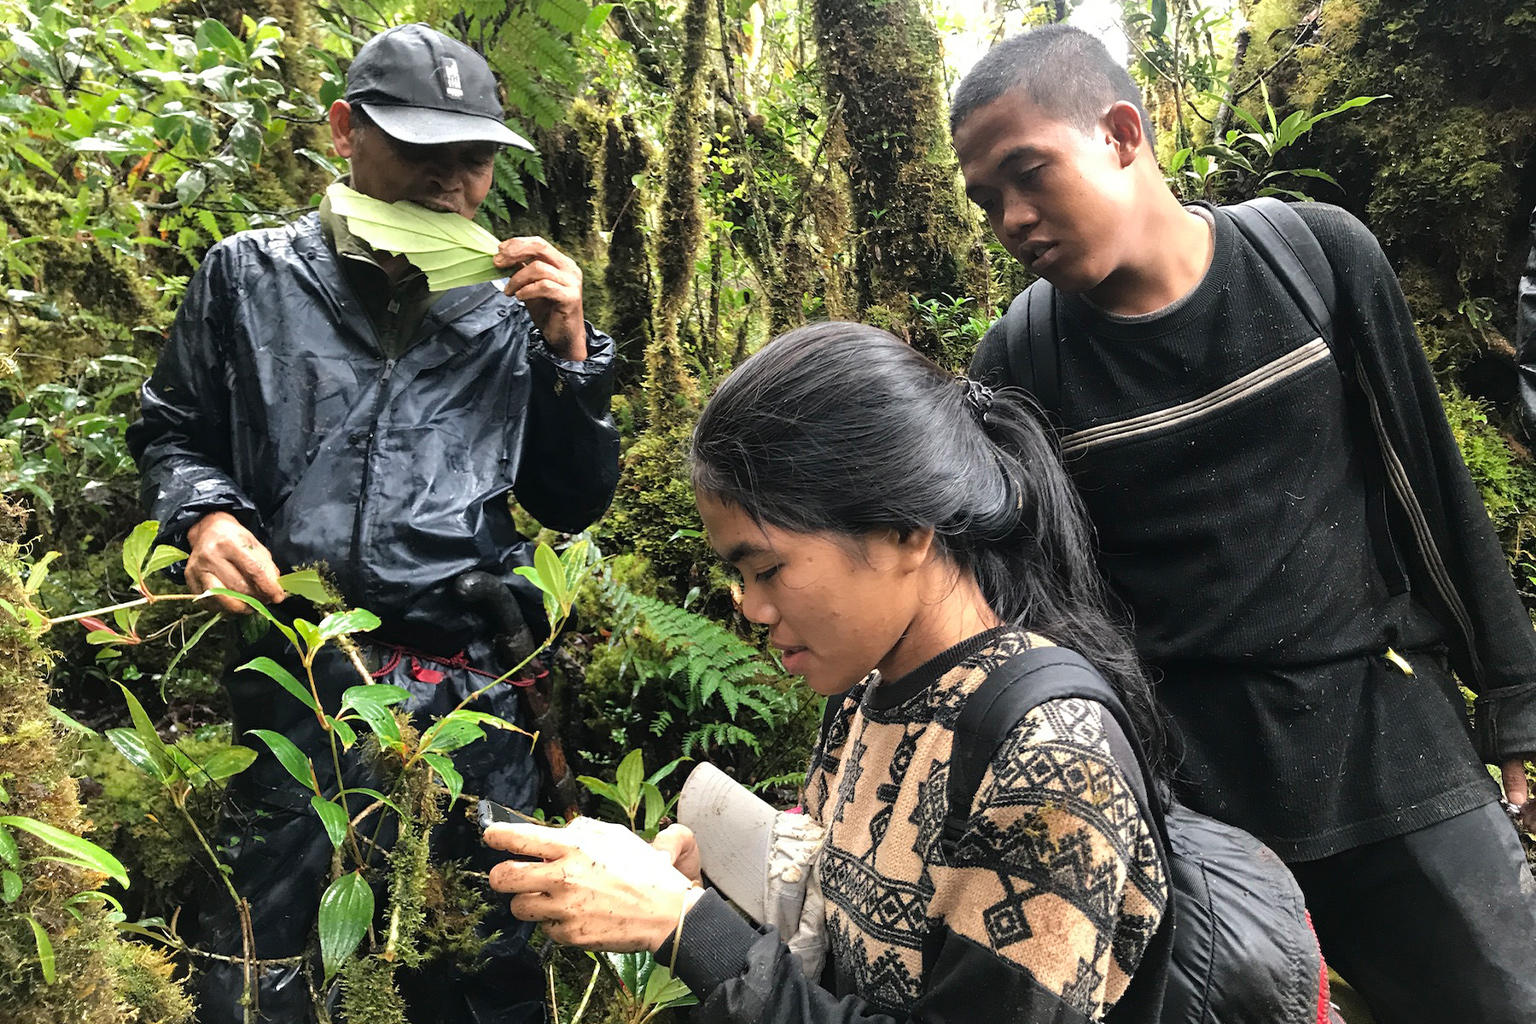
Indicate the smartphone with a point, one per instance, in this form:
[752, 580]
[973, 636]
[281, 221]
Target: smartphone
[489, 812]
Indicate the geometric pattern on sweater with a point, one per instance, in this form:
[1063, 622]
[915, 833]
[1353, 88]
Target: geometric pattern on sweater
[1057, 872]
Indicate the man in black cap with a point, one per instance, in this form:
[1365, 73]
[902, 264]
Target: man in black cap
[318, 402]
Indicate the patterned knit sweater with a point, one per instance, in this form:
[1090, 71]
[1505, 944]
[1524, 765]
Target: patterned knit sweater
[1054, 895]
[1057, 872]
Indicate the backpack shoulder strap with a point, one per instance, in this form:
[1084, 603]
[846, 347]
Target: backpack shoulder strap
[1034, 346]
[1290, 248]
[1013, 690]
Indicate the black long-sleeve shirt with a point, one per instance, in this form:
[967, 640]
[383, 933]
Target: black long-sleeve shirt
[1226, 474]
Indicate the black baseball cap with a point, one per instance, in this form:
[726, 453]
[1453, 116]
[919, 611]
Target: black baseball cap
[421, 87]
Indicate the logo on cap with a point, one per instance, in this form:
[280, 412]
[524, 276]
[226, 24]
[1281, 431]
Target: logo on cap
[451, 83]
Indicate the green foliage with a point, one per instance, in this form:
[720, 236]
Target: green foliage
[719, 668]
[1251, 155]
[637, 796]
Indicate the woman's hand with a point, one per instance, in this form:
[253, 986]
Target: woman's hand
[678, 843]
[599, 886]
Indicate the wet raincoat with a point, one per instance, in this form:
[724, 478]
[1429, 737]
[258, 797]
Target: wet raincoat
[273, 401]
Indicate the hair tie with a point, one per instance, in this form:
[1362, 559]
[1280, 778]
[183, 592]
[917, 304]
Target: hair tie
[978, 398]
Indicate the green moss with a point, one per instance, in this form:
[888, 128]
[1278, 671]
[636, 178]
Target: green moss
[913, 228]
[653, 502]
[132, 815]
[368, 992]
[627, 274]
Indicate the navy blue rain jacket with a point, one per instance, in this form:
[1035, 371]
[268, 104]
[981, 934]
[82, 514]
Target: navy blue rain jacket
[273, 401]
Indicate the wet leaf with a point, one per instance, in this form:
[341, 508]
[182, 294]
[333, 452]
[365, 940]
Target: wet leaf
[291, 757]
[346, 911]
[81, 850]
[333, 817]
[272, 670]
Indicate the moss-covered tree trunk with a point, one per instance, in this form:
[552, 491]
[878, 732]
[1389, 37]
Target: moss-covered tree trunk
[913, 228]
[671, 391]
[96, 975]
[627, 275]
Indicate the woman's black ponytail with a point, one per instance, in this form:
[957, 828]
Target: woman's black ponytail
[842, 428]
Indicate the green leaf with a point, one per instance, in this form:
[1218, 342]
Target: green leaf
[663, 990]
[226, 764]
[346, 911]
[655, 805]
[1159, 25]
[333, 817]
[414, 231]
[10, 886]
[82, 850]
[291, 757]
[259, 609]
[39, 572]
[9, 853]
[136, 549]
[132, 747]
[272, 670]
[163, 557]
[346, 732]
[552, 572]
[145, 729]
[305, 583]
[628, 778]
[308, 632]
[603, 789]
[190, 185]
[357, 620]
[44, 949]
[182, 652]
[452, 733]
[374, 693]
[449, 774]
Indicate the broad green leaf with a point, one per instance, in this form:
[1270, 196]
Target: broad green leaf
[226, 764]
[629, 776]
[10, 886]
[102, 636]
[346, 911]
[447, 772]
[1159, 25]
[9, 853]
[153, 745]
[532, 575]
[375, 794]
[163, 557]
[291, 757]
[306, 584]
[414, 231]
[357, 620]
[333, 817]
[44, 948]
[272, 670]
[372, 704]
[660, 774]
[82, 850]
[553, 573]
[191, 185]
[452, 733]
[136, 549]
[374, 693]
[382, 723]
[131, 745]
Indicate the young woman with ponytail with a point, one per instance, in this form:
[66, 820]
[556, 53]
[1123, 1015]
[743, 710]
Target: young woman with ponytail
[901, 533]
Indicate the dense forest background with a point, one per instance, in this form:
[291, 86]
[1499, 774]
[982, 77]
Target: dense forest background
[722, 170]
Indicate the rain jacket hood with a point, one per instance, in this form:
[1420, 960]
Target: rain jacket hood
[274, 401]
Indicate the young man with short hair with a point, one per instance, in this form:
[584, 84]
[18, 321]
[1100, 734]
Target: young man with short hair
[319, 402]
[1304, 564]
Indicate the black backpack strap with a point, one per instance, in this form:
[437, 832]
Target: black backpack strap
[1034, 344]
[1013, 690]
[1292, 251]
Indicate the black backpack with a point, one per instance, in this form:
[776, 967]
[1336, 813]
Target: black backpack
[1235, 944]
